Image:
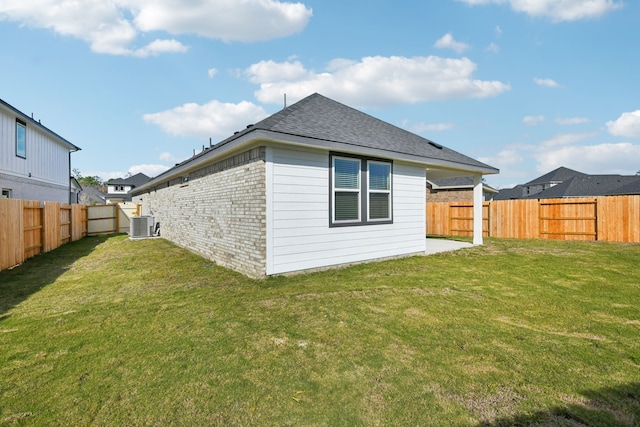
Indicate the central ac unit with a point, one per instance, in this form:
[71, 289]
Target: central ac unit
[141, 226]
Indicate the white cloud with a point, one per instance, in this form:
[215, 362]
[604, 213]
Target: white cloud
[566, 139]
[157, 47]
[168, 157]
[510, 162]
[571, 121]
[149, 170]
[112, 27]
[498, 31]
[247, 20]
[212, 120]
[494, 48]
[546, 82]
[532, 120]
[504, 159]
[211, 72]
[430, 127]
[448, 42]
[628, 125]
[557, 10]
[601, 158]
[374, 80]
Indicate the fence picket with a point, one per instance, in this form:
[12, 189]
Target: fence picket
[610, 218]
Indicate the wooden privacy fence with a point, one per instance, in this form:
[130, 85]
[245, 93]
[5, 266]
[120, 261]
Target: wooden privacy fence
[28, 228]
[609, 218]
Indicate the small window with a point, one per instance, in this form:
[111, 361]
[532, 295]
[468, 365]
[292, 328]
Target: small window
[360, 191]
[21, 139]
[346, 202]
[379, 191]
[6, 193]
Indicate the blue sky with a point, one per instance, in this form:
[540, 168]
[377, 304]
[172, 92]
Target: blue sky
[523, 85]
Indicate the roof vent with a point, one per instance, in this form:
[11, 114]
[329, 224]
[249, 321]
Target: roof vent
[249, 126]
[435, 144]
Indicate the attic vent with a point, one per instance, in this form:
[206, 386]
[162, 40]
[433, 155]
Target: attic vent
[435, 144]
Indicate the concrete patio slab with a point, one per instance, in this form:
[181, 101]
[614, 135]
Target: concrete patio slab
[435, 246]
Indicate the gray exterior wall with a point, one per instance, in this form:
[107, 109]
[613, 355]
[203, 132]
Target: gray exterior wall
[219, 213]
[31, 189]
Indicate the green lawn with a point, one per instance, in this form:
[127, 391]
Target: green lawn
[107, 331]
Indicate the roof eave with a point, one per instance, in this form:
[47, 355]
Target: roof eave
[254, 135]
[72, 147]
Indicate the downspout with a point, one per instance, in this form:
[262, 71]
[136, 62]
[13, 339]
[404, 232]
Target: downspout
[69, 173]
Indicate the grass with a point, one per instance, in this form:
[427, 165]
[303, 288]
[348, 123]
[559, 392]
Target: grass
[107, 331]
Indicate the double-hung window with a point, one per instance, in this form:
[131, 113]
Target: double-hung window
[21, 139]
[360, 190]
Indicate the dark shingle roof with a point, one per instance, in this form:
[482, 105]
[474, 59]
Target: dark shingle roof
[631, 188]
[558, 175]
[134, 180]
[322, 118]
[586, 186]
[93, 195]
[516, 192]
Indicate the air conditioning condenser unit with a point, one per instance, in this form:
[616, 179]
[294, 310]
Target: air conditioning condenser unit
[141, 226]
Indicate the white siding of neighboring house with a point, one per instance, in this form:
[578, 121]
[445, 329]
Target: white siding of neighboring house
[298, 232]
[47, 161]
[115, 189]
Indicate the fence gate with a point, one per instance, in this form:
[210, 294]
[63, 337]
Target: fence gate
[568, 220]
[461, 219]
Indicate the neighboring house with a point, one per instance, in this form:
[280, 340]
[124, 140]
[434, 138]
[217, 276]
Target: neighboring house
[564, 182]
[75, 190]
[455, 190]
[316, 184]
[35, 162]
[92, 196]
[118, 190]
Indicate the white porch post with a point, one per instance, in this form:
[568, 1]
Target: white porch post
[477, 209]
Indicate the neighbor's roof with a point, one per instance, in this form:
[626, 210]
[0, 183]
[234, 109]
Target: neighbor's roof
[134, 180]
[30, 120]
[557, 175]
[516, 192]
[587, 186]
[321, 122]
[629, 189]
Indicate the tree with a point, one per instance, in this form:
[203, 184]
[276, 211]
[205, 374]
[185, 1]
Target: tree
[89, 181]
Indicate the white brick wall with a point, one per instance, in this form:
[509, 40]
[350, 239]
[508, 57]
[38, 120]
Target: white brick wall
[221, 216]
